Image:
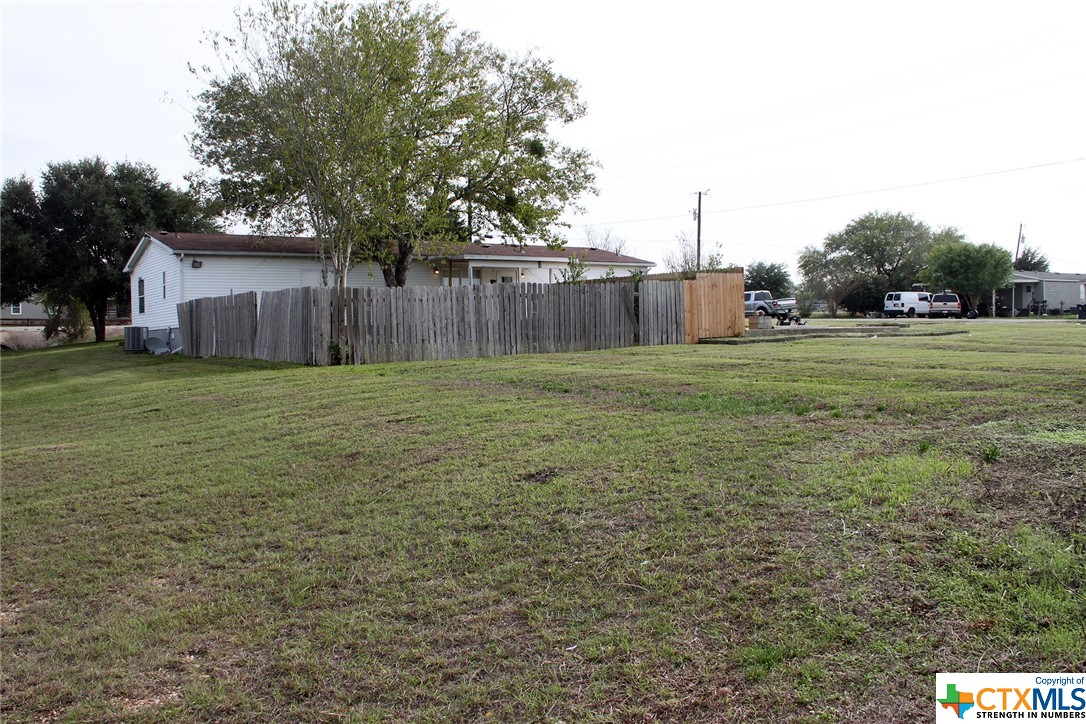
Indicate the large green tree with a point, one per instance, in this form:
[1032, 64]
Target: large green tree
[887, 251]
[886, 245]
[1031, 260]
[970, 269]
[382, 130]
[75, 234]
[22, 241]
[773, 277]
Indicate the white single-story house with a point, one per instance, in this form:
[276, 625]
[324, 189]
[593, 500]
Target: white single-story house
[1044, 293]
[168, 268]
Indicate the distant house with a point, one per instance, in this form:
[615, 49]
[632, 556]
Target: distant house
[29, 313]
[1043, 293]
[167, 268]
[33, 313]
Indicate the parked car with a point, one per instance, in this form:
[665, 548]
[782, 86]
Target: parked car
[947, 305]
[909, 304]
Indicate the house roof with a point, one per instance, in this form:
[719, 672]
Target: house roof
[224, 244]
[236, 243]
[536, 252]
[246, 244]
[1030, 276]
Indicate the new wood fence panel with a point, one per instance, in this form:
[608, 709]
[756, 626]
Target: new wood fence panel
[714, 304]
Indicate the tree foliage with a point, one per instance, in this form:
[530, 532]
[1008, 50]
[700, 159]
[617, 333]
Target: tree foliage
[874, 254]
[889, 246]
[683, 260]
[1031, 260]
[378, 127]
[831, 277]
[22, 241]
[773, 277]
[969, 269]
[72, 238]
[575, 271]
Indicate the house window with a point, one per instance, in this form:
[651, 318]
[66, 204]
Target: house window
[507, 280]
[17, 308]
[163, 285]
[139, 296]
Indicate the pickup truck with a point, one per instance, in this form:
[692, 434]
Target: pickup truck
[945, 305]
[762, 302]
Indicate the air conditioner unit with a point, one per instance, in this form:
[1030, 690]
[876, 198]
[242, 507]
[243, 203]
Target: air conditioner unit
[133, 338]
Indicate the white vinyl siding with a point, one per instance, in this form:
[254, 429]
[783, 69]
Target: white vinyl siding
[157, 266]
[221, 275]
[419, 274]
[548, 272]
[170, 278]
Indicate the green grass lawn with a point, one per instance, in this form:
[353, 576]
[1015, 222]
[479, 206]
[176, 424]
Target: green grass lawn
[802, 531]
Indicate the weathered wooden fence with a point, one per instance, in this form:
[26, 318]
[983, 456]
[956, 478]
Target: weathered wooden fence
[295, 325]
[661, 317]
[219, 326]
[422, 323]
[427, 323]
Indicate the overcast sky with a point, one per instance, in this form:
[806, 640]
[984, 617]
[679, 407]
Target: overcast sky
[797, 117]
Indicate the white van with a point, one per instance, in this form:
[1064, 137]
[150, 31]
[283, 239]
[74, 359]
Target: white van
[910, 304]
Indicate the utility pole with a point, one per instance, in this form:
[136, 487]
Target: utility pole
[697, 217]
[1017, 247]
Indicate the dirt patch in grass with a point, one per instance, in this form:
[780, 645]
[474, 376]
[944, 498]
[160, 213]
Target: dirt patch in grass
[1036, 484]
[540, 477]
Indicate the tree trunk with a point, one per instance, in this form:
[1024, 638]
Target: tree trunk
[389, 274]
[395, 272]
[339, 316]
[401, 273]
[97, 310]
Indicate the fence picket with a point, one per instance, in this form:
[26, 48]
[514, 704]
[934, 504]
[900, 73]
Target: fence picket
[414, 323]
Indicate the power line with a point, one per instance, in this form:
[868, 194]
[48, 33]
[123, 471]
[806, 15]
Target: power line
[847, 194]
[899, 188]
